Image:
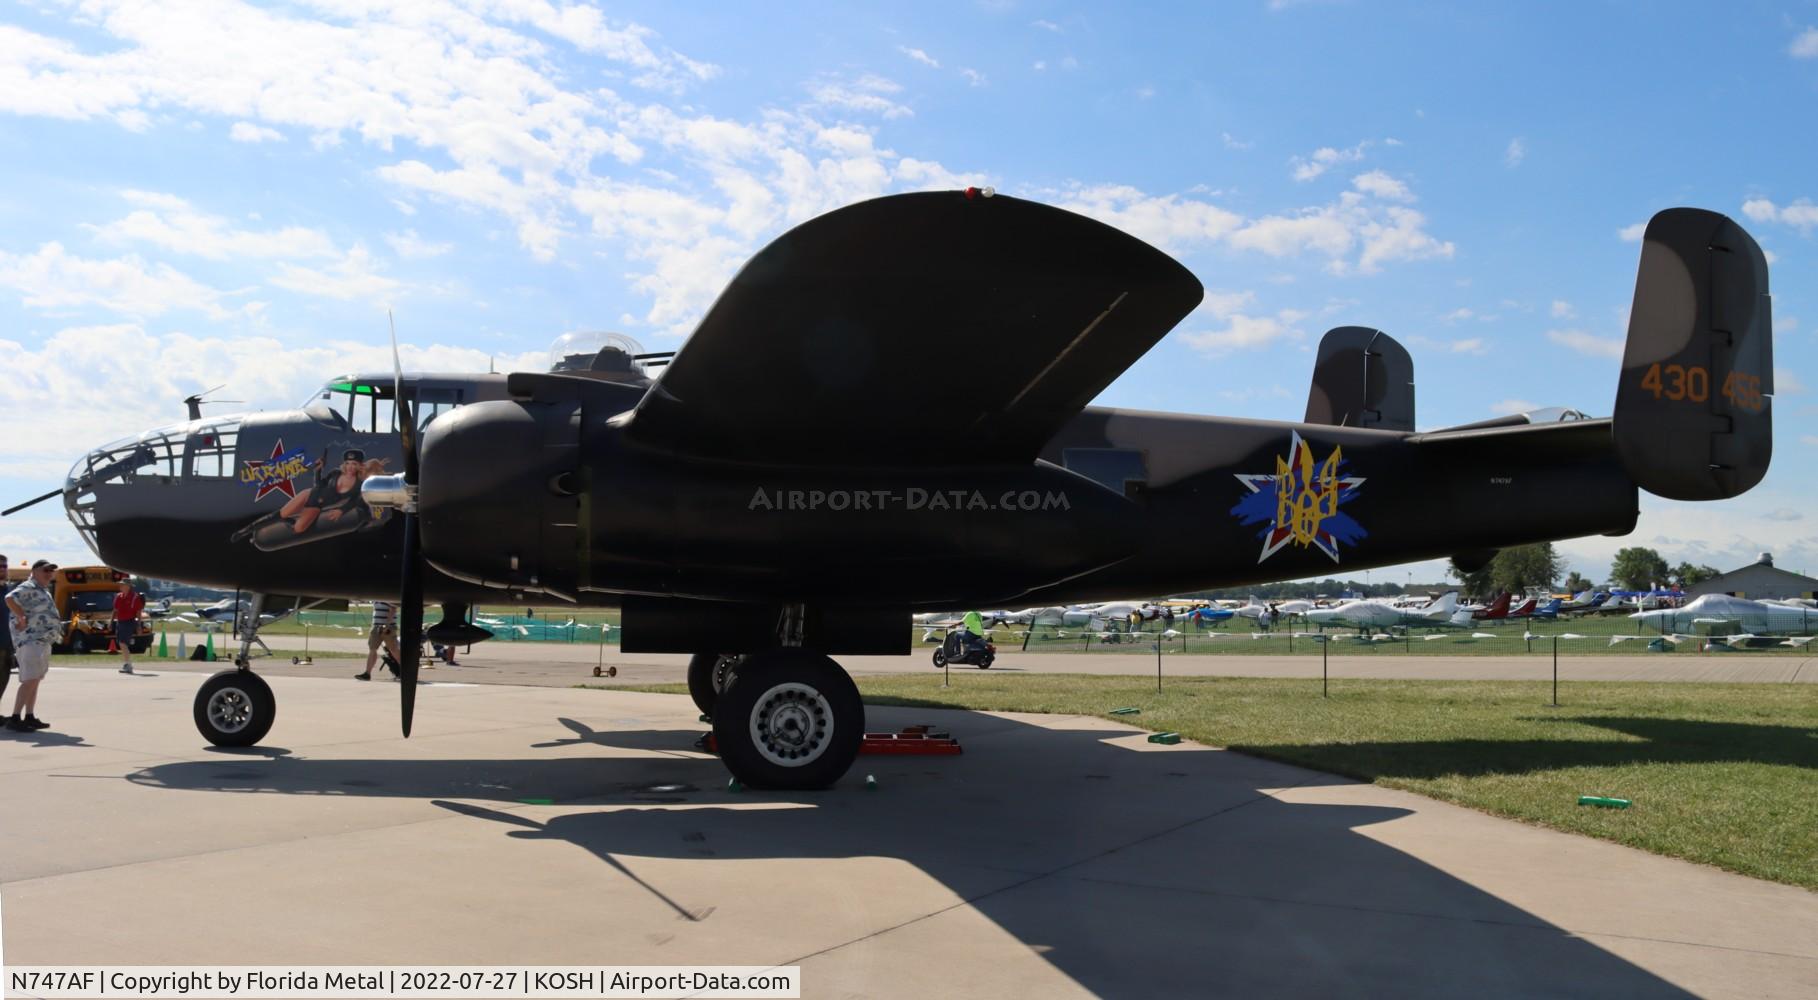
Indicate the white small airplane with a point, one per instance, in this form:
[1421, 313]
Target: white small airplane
[1755, 617]
[1372, 615]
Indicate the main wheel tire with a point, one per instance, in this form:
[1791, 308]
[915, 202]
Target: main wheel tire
[139, 646]
[709, 674]
[791, 720]
[235, 708]
[984, 662]
[940, 658]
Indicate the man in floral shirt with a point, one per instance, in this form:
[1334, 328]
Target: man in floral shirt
[35, 625]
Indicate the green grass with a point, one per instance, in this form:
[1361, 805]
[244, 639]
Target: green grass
[1725, 774]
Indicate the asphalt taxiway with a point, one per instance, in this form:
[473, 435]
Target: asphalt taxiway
[1059, 856]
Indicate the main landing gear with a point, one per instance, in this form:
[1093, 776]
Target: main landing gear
[235, 708]
[787, 719]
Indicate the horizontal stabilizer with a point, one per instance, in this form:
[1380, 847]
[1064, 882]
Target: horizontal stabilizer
[1693, 416]
[1362, 378]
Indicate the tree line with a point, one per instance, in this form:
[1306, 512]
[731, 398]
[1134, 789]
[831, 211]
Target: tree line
[1519, 567]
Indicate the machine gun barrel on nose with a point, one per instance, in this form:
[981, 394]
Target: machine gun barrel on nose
[388, 493]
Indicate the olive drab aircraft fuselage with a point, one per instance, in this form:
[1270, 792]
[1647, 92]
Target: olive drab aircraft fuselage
[887, 412]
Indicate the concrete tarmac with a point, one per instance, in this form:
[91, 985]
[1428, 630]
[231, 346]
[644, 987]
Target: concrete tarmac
[565, 664]
[1060, 856]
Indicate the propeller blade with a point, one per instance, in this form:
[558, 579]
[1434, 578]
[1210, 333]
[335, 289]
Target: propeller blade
[410, 625]
[14, 509]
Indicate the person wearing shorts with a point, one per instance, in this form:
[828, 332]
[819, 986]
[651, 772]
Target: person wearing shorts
[384, 632]
[6, 642]
[35, 625]
[127, 605]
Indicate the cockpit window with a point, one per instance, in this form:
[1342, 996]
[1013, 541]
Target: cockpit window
[367, 407]
[371, 407]
[211, 450]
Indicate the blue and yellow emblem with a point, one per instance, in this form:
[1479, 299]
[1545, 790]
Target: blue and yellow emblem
[1300, 502]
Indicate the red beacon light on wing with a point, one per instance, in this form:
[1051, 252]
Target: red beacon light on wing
[980, 192]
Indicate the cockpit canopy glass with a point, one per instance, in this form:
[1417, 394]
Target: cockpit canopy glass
[370, 406]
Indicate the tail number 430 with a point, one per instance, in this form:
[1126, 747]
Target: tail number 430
[1692, 383]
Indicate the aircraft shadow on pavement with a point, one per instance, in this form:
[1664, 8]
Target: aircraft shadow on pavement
[1659, 741]
[1052, 835]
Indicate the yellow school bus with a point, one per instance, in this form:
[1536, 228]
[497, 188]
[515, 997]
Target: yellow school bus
[85, 602]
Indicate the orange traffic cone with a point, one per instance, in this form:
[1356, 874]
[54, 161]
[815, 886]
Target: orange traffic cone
[111, 647]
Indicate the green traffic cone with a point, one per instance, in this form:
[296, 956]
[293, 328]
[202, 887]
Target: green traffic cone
[211, 646]
[163, 645]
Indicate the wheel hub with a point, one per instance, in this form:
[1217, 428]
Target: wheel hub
[230, 710]
[792, 725]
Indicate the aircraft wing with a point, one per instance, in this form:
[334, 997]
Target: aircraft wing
[938, 327]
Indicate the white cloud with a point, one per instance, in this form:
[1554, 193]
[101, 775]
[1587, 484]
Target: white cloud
[973, 77]
[1464, 345]
[1786, 324]
[172, 223]
[148, 374]
[1562, 309]
[410, 246]
[1586, 343]
[1382, 185]
[919, 56]
[1168, 221]
[1801, 214]
[1243, 333]
[351, 277]
[1805, 46]
[1232, 142]
[1325, 158]
[1224, 304]
[1046, 26]
[1039, 65]
[1516, 152]
[1457, 315]
[869, 93]
[1783, 514]
[1353, 233]
[51, 278]
[1787, 383]
[1632, 233]
[1811, 439]
[1506, 407]
[248, 132]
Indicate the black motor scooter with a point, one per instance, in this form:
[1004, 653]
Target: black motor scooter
[978, 652]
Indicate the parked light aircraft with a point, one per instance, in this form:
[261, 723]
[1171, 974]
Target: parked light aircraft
[793, 486]
[1755, 617]
[1376, 615]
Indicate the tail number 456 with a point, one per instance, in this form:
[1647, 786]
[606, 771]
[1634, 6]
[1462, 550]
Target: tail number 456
[1683, 383]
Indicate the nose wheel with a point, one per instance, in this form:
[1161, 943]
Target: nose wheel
[789, 719]
[235, 708]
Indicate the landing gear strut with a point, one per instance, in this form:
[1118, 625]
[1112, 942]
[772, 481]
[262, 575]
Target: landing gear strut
[791, 719]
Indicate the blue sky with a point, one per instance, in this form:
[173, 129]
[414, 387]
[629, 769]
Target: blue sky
[197, 193]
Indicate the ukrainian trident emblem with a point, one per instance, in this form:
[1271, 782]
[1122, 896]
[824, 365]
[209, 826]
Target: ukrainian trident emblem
[1301, 502]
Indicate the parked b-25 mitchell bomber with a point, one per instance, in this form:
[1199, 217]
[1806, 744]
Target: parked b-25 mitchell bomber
[796, 482]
